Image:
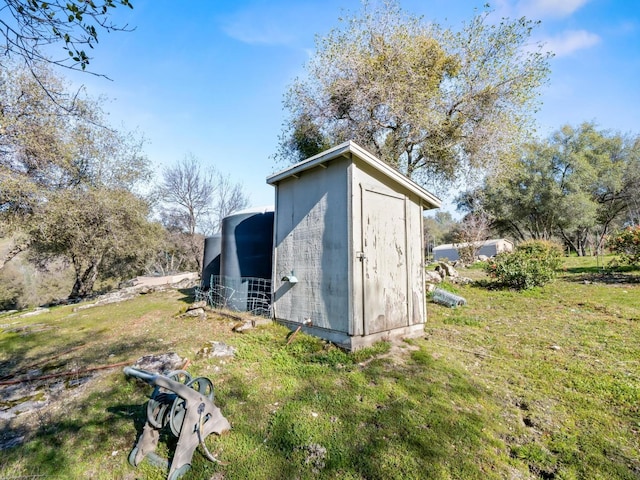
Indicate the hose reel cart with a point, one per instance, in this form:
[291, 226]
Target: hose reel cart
[186, 405]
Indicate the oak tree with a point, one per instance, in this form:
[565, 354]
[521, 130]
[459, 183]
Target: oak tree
[67, 183]
[102, 232]
[577, 185]
[432, 102]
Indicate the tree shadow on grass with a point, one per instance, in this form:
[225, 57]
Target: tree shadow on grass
[89, 349]
[75, 417]
[19, 357]
[608, 277]
[381, 421]
[80, 430]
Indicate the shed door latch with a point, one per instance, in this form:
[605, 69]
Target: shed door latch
[361, 256]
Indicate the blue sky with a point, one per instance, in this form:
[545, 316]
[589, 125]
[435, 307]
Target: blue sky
[207, 77]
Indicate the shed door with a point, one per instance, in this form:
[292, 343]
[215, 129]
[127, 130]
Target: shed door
[384, 275]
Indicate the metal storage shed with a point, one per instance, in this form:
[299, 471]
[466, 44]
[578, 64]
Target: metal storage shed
[348, 264]
[489, 248]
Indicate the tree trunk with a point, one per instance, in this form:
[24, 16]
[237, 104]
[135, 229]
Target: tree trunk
[583, 248]
[197, 250]
[583, 241]
[14, 252]
[570, 243]
[83, 285]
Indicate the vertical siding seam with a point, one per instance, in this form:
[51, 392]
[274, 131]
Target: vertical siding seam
[408, 261]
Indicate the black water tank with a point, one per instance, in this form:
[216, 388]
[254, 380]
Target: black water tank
[247, 244]
[211, 261]
[247, 255]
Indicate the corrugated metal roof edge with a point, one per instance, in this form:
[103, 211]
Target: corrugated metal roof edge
[353, 148]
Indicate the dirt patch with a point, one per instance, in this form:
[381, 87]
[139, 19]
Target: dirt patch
[24, 406]
[398, 353]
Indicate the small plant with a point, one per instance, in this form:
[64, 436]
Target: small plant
[468, 252]
[626, 244]
[533, 264]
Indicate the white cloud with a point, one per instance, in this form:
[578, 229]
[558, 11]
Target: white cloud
[251, 28]
[265, 24]
[502, 8]
[536, 9]
[627, 27]
[570, 41]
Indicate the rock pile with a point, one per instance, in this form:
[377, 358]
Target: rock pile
[442, 271]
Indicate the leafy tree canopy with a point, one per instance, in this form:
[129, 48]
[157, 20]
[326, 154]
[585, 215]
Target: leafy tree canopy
[102, 232]
[67, 183]
[430, 101]
[47, 146]
[29, 27]
[578, 183]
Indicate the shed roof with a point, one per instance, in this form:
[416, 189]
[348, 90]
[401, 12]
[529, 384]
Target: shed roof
[348, 150]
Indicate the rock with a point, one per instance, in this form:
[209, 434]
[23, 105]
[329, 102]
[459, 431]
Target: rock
[243, 326]
[108, 298]
[196, 305]
[162, 363]
[84, 306]
[216, 349]
[179, 279]
[35, 312]
[482, 258]
[196, 312]
[430, 287]
[432, 277]
[448, 269]
[315, 456]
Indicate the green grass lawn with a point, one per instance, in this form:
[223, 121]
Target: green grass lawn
[543, 384]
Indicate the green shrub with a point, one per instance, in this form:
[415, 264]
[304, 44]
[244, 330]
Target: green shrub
[626, 244]
[541, 248]
[533, 263]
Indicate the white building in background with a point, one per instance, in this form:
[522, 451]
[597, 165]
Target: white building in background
[348, 248]
[488, 248]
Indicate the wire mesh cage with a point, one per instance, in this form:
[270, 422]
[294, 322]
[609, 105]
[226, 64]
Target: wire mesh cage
[240, 294]
[447, 298]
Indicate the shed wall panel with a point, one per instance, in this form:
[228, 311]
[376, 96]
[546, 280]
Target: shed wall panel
[418, 307]
[414, 309]
[311, 241]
